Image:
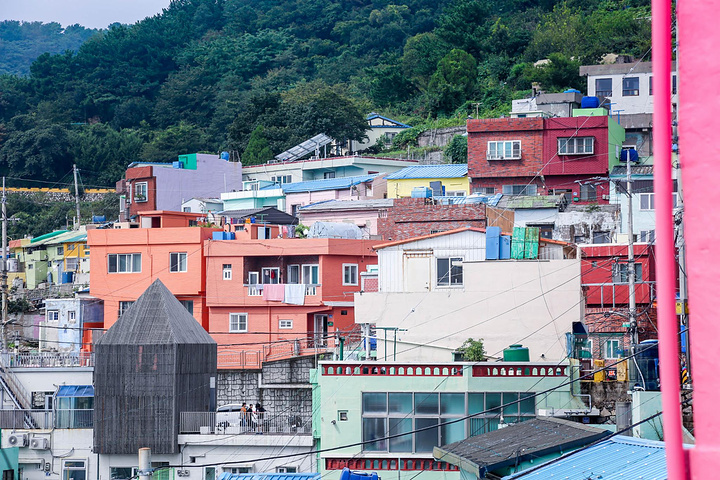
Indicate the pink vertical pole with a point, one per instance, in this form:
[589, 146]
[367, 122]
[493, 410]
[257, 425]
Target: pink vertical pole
[664, 227]
[699, 124]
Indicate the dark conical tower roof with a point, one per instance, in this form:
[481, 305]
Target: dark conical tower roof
[157, 317]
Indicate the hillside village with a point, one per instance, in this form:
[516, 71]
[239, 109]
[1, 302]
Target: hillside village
[396, 315]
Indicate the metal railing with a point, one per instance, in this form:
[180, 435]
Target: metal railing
[46, 419]
[608, 292]
[48, 359]
[257, 290]
[20, 394]
[74, 418]
[237, 423]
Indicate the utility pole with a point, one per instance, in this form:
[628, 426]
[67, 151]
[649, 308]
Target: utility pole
[77, 199]
[145, 470]
[4, 274]
[631, 263]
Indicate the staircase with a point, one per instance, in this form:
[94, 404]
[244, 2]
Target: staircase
[19, 396]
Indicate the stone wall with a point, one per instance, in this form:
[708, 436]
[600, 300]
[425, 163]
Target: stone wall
[439, 137]
[282, 387]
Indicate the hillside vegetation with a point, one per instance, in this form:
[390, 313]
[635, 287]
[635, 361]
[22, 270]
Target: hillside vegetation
[209, 75]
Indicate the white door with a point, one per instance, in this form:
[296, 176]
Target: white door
[417, 273]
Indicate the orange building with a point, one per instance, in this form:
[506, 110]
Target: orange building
[124, 262]
[282, 296]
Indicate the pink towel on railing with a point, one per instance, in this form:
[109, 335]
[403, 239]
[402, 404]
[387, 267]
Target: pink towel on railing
[274, 292]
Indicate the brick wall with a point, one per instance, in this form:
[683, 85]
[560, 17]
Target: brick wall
[497, 183]
[596, 163]
[528, 130]
[413, 217]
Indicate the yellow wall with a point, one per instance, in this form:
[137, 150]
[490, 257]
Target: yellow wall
[403, 188]
[77, 252]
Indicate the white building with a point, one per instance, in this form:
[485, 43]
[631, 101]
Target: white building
[439, 290]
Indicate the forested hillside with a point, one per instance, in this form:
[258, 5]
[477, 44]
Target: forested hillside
[210, 75]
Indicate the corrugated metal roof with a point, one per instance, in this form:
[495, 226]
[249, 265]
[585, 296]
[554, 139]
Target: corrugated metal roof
[530, 201]
[446, 170]
[617, 458]
[347, 205]
[326, 184]
[269, 476]
[42, 238]
[398, 124]
[621, 170]
[75, 391]
[270, 215]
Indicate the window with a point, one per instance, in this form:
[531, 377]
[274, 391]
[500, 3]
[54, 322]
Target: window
[237, 470]
[293, 275]
[286, 324]
[579, 239]
[270, 275]
[71, 316]
[86, 249]
[52, 315]
[238, 322]
[519, 189]
[73, 470]
[647, 236]
[650, 89]
[186, 209]
[455, 193]
[282, 179]
[588, 192]
[178, 262]
[310, 274]
[631, 87]
[449, 271]
[576, 145]
[210, 473]
[674, 84]
[188, 304]
[124, 262]
[350, 274]
[503, 150]
[253, 278]
[123, 306]
[227, 271]
[264, 233]
[601, 237]
[484, 190]
[546, 229]
[71, 264]
[60, 250]
[329, 175]
[603, 87]
[612, 349]
[286, 469]
[141, 190]
[620, 273]
[647, 201]
[121, 473]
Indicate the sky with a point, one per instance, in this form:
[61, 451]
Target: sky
[88, 13]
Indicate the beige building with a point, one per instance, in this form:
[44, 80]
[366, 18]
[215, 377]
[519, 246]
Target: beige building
[438, 291]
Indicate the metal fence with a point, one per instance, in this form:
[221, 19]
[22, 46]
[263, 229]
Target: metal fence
[236, 423]
[48, 359]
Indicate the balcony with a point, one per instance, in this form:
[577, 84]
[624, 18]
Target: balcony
[46, 419]
[614, 294]
[237, 423]
[229, 358]
[48, 360]
[256, 290]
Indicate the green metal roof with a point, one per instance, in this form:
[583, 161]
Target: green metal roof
[42, 238]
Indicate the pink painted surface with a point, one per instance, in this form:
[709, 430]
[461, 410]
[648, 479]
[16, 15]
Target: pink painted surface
[664, 229]
[365, 219]
[699, 62]
[364, 192]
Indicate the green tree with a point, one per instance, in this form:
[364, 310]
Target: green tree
[457, 150]
[257, 150]
[421, 56]
[453, 81]
[473, 350]
[175, 140]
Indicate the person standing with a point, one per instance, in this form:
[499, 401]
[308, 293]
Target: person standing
[260, 412]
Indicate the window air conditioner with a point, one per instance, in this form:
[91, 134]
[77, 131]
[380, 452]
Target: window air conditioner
[18, 440]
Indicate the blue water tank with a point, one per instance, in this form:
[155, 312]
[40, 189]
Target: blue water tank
[349, 475]
[218, 236]
[630, 154]
[492, 243]
[571, 90]
[225, 155]
[66, 277]
[590, 102]
[177, 165]
[421, 192]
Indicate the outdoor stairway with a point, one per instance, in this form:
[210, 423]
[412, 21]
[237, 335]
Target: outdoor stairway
[17, 393]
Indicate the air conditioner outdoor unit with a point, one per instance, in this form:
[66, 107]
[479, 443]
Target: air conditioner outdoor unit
[18, 440]
[39, 443]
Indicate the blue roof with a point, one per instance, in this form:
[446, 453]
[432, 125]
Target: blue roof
[612, 459]
[399, 124]
[75, 391]
[326, 184]
[269, 476]
[445, 170]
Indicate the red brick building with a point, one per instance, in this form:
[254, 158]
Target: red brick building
[414, 217]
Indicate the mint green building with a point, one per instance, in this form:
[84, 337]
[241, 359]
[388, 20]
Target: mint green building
[616, 133]
[361, 408]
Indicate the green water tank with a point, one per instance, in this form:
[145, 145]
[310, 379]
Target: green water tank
[516, 353]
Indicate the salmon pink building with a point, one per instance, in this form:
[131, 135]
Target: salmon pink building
[281, 297]
[124, 262]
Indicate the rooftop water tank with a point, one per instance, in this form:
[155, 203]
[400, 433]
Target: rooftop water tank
[225, 155]
[590, 102]
[516, 353]
[421, 192]
[571, 90]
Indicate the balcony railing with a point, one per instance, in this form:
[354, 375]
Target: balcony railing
[256, 290]
[237, 423]
[46, 419]
[613, 294]
[48, 359]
